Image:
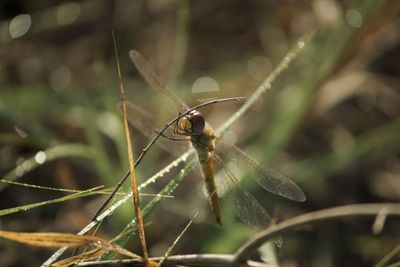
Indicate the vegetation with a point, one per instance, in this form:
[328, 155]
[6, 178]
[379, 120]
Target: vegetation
[329, 121]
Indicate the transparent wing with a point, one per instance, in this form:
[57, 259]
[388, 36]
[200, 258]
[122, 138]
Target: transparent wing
[145, 122]
[246, 207]
[269, 179]
[146, 70]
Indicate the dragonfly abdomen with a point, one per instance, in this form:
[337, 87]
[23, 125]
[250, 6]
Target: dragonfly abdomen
[205, 147]
[208, 173]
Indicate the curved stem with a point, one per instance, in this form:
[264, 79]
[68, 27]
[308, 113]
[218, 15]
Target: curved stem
[310, 218]
[190, 259]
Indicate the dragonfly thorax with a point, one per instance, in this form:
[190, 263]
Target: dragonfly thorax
[192, 124]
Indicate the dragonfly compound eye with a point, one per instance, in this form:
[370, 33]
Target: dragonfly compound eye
[198, 123]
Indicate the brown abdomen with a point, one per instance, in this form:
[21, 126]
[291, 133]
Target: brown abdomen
[208, 172]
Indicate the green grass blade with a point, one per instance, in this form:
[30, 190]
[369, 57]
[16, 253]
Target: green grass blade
[169, 250]
[84, 193]
[43, 157]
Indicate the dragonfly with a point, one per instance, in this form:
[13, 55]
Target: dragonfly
[214, 154]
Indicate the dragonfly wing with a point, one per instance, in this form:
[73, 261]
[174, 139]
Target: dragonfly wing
[146, 70]
[246, 207]
[144, 121]
[269, 179]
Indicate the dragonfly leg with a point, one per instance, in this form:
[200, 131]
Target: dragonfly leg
[177, 130]
[172, 138]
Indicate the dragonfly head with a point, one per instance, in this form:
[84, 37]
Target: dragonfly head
[193, 123]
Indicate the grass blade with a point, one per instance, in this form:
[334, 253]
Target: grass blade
[50, 154]
[134, 186]
[84, 193]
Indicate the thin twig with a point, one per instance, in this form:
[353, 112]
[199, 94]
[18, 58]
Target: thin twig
[313, 217]
[134, 186]
[190, 259]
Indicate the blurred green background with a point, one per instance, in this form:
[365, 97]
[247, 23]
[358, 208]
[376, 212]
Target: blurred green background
[330, 123]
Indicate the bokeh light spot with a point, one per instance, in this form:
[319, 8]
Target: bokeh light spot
[204, 85]
[354, 18]
[327, 11]
[259, 67]
[60, 78]
[20, 132]
[20, 25]
[40, 157]
[67, 13]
